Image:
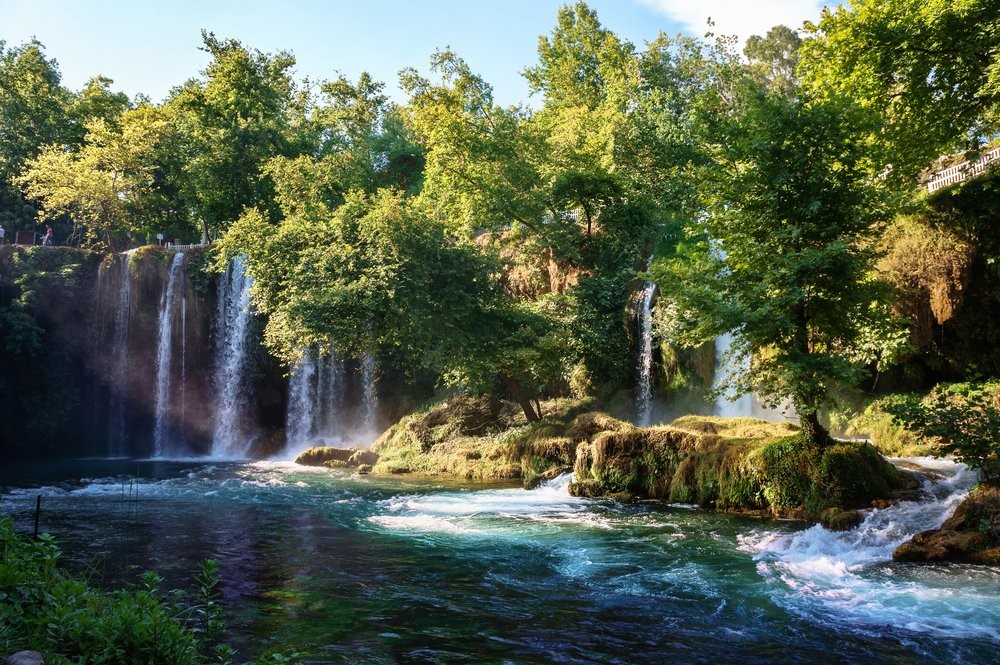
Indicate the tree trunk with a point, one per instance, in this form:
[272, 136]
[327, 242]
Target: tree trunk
[814, 432]
[523, 400]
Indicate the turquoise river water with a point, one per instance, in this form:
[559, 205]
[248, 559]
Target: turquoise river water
[358, 569]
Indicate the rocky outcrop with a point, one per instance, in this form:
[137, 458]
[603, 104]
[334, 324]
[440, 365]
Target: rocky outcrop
[970, 535]
[737, 465]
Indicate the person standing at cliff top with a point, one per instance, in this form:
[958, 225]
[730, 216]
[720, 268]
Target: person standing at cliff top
[47, 240]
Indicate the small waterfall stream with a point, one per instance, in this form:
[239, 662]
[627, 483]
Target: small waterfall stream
[162, 445]
[369, 405]
[315, 403]
[120, 358]
[726, 367]
[302, 403]
[231, 435]
[644, 392]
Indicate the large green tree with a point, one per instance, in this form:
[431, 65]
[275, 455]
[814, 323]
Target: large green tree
[245, 111]
[33, 113]
[929, 68]
[782, 253]
[102, 186]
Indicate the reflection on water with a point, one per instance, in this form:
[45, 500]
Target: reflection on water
[369, 570]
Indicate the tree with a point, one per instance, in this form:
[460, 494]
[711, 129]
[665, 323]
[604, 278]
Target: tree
[376, 275]
[774, 58]
[100, 186]
[241, 115]
[964, 418]
[929, 69]
[33, 113]
[781, 255]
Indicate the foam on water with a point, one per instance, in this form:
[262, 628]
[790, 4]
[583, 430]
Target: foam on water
[473, 511]
[848, 578]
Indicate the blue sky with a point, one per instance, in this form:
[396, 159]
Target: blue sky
[148, 46]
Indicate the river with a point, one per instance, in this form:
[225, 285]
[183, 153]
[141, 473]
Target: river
[360, 569]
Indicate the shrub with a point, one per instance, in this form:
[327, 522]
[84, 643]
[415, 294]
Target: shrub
[42, 608]
[965, 418]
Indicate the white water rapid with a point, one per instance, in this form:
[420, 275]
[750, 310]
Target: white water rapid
[231, 435]
[847, 577]
[162, 445]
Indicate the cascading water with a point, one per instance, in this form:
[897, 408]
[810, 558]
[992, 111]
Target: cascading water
[644, 394]
[120, 359]
[330, 395]
[231, 437]
[726, 367]
[841, 576]
[314, 402]
[302, 404]
[162, 445]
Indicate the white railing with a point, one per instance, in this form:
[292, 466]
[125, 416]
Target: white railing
[184, 248]
[963, 171]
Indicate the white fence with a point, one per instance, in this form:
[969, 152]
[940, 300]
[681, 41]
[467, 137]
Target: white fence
[963, 171]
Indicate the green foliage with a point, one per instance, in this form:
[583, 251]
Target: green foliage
[844, 475]
[44, 609]
[927, 68]
[41, 288]
[243, 113]
[33, 113]
[102, 185]
[887, 434]
[781, 257]
[774, 59]
[964, 417]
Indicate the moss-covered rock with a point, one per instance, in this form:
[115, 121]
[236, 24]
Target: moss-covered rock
[691, 462]
[971, 534]
[337, 458]
[836, 519]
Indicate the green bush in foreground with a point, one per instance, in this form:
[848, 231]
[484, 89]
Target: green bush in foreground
[965, 418]
[44, 609]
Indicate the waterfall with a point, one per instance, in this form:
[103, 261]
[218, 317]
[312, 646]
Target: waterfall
[120, 359]
[330, 397]
[727, 367]
[184, 302]
[315, 398]
[231, 437]
[163, 356]
[299, 423]
[644, 393]
[369, 406]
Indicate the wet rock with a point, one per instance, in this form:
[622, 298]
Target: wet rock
[941, 545]
[364, 469]
[24, 658]
[971, 534]
[836, 519]
[587, 488]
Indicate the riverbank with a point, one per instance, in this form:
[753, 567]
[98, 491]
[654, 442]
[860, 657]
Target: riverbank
[739, 465]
